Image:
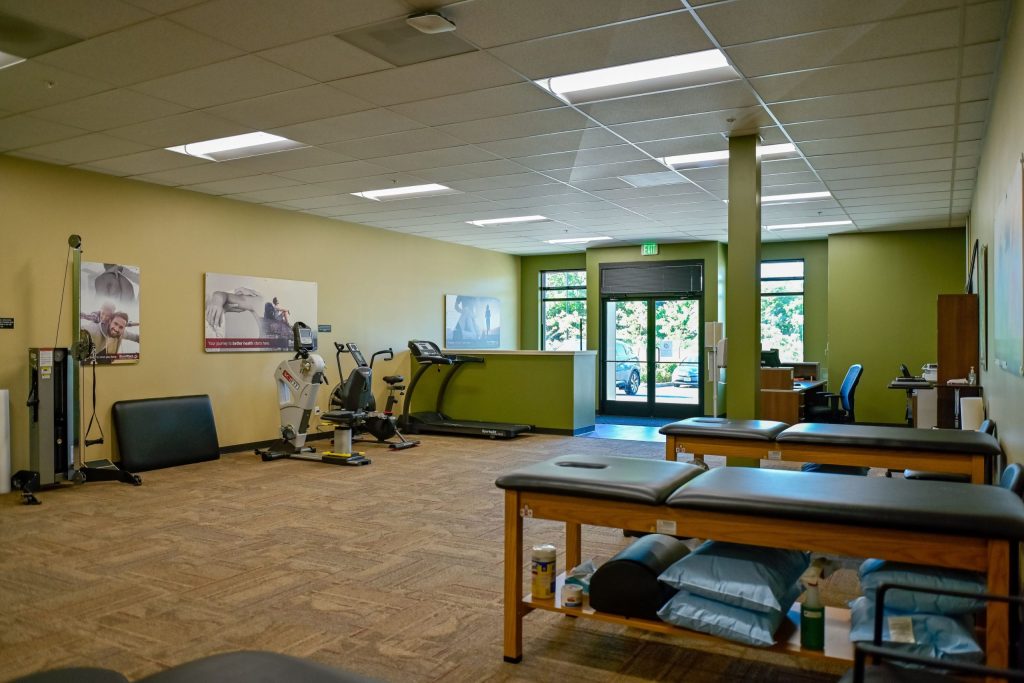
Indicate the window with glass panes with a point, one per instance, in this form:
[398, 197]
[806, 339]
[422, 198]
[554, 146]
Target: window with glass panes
[563, 310]
[782, 308]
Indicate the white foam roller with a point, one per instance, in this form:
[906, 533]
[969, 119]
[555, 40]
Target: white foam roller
[972, 412]
[5, 441]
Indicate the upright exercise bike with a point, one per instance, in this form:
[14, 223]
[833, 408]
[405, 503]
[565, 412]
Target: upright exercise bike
[355, 391]
[298, 383]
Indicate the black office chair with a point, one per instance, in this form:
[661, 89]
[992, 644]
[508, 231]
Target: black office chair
[925, 669]
[836, 408]
[988, 427]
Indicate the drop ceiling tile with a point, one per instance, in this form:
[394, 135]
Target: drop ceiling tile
[892, 201]
[163, 6]
[879, 141]
[705, 143]
[966, 173]
[498, 182]
[694, 124]
[970, 147]
[156, 47]
[518, 125]
[974, 111]
[884, 180]
[482, 104]
[149, 161]
[427, 80]
[891, 190]
[554, 142]
[259, 24]
[287, 195]
[325, 58]
[208, 171]
[362, 184]
[601, 184]
[83, 148]
[830, 174]
[976, 87]
[870, 102]
[872, 123]
[490, 23]
[572, 175]
[289, 160]
[347, 127]
[229, 81]
[22, 130]
[28, 86]
[333, 200]
[920, 33]
[419, 140]
[624, 43]
[986, 22]
[448, 156]
[110, 109]
[342, 171]
[179, 129]
[291, 106]
[583, 157]
[887, 156]
[82, 19]
[980, 59]
[734, 94]
[783, 180]
[847, 78]
[244, 184]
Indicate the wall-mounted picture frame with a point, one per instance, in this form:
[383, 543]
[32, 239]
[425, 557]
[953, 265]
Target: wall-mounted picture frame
[109, 311]
[472, 322]
[983, 303]
[245, 313]
[972, 271]
[1008, 280]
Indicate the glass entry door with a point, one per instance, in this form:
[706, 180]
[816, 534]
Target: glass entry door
[652, 361]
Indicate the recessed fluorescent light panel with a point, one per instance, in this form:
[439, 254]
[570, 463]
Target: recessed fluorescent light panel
[653, 75]
[407, 192]
[512, 219]
[237, 147]
[800, 196]
[794, 226]
[578, 240]
[701, 159]
[7, 60]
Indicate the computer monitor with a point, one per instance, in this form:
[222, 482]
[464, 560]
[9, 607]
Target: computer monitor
[770, 358]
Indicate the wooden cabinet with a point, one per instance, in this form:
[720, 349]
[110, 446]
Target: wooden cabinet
[957, 351]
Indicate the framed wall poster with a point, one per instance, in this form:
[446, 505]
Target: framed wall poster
[1008, 282]
[472, 322]
[244, 313]
[983, 302]
[109, 310]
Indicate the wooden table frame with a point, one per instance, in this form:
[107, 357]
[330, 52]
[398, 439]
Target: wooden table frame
[975, 465]
[988, 556]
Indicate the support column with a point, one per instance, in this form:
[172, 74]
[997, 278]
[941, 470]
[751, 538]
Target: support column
[743, 284]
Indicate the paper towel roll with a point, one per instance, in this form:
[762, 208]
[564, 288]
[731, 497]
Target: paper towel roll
[5, 441]
[972, 412]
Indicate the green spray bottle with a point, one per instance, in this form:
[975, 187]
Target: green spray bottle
[812, 616]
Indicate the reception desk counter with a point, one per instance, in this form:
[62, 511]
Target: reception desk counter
[553, 390]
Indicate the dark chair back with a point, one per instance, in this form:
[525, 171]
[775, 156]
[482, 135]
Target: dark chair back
[988, 427]
[1012, 478]
[846, 392]
[357, 390]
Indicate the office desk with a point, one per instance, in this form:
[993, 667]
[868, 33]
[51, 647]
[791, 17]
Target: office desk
[787, 405]
[910, 385]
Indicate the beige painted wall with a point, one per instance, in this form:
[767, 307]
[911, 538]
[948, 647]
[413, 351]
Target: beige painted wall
[377, 288]
[1004, 144]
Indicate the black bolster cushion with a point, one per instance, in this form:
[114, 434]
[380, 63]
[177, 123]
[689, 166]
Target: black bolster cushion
[628, 583]
[253, 667]
[163, 432]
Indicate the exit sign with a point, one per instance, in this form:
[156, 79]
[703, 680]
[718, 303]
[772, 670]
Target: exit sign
[648, 249]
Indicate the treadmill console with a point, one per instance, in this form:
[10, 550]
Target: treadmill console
[428, 353]
[357, 355]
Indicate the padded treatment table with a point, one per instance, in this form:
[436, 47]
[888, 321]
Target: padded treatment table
[935, 450]
[924, 522]
[721, 436]
[898, 448]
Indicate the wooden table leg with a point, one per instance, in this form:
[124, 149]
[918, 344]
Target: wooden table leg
[513, 579]
[573, 546]
[979, 471]
[670, 448]
[997, 615]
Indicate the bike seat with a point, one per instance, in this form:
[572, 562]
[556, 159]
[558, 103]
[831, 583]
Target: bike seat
[393, 379]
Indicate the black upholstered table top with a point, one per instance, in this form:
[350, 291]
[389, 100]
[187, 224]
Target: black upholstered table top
[725, 428]
[867, 436]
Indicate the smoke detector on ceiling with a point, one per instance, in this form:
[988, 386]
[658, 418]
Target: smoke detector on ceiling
[430, 22]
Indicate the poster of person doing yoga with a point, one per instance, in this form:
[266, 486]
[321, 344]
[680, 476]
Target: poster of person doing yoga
[243, 313]
[109, 311]
[472, 322]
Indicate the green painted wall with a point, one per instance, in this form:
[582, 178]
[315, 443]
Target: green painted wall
[815, 256]
[882, 294]
[1004, 143]
[529, 295]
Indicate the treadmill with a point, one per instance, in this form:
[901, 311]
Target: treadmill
[428, 354]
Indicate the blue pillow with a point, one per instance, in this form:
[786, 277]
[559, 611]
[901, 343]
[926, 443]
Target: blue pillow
[726, 621]
[746, 576]
[873, 573]
[935, 635]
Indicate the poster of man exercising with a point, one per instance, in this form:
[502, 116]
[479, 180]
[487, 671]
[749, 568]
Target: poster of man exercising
[245, 313]
[109, 305]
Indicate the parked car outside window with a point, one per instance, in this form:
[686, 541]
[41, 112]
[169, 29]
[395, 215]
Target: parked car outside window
[627, 369]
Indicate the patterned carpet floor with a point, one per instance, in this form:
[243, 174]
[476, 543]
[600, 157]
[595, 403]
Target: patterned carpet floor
[392, 570]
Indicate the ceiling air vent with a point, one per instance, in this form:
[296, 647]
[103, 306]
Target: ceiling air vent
[400, 44]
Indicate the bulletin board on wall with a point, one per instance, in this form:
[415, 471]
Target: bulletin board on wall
[1008, 281]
